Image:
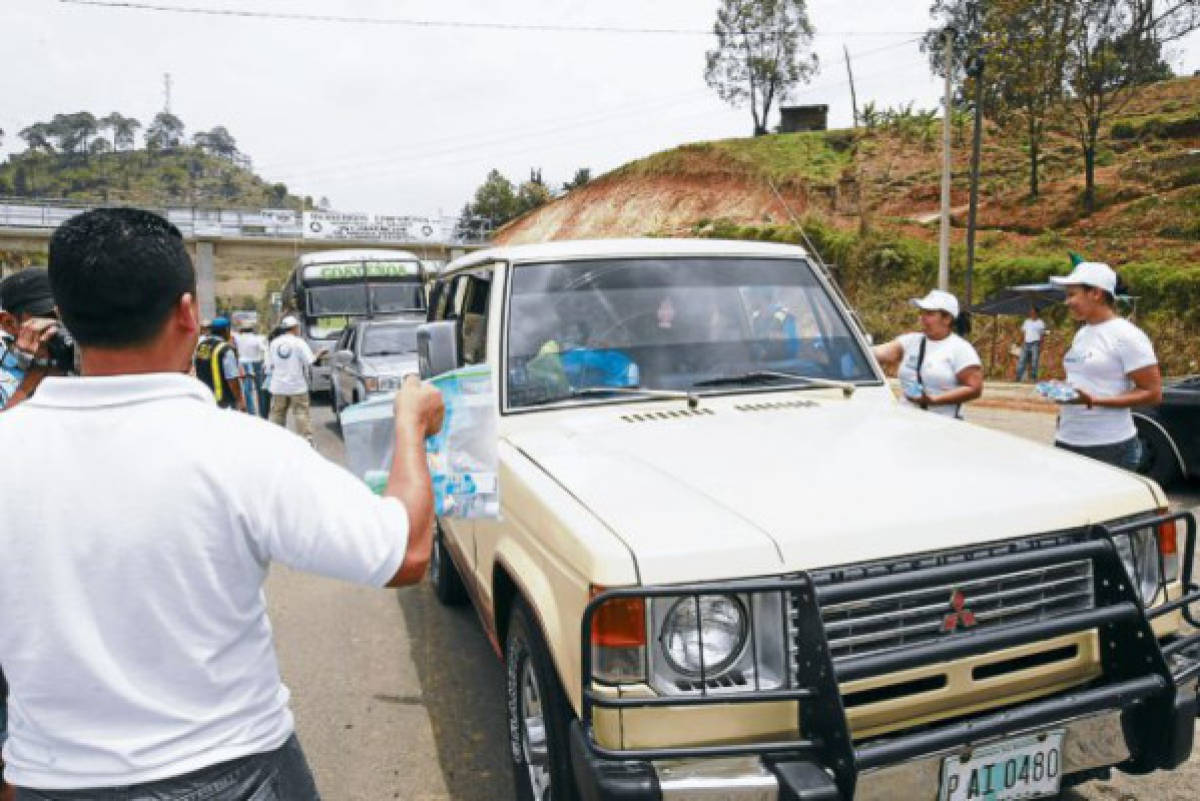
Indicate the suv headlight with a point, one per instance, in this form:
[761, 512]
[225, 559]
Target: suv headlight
[718, 643]
[704, 634]
[1150, 557]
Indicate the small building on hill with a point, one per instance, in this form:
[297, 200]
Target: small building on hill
[794, 119]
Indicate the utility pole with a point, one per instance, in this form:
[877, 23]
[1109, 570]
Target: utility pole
[976, 138]
[167, 92]
[853, 98]
[944, 239]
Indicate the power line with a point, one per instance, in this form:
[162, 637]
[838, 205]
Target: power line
[377, 170]
[419, 150]
[429, 23]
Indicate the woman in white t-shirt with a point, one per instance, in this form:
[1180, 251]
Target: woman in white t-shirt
[938, 369]
[1111, 364]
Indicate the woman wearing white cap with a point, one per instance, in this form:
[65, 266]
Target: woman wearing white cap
[1112, 367]
[939, 370]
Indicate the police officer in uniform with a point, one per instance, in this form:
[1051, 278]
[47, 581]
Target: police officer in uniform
[217, 366]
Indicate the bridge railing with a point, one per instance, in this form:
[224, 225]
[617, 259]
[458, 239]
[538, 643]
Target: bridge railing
[244, 223]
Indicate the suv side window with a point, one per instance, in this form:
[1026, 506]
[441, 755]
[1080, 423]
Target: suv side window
[465, 299]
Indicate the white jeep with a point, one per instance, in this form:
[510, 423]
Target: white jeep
[730, 565]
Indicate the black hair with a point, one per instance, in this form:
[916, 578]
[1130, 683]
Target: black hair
[116, 273]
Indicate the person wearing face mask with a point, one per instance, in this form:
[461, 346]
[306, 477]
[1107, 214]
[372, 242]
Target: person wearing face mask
[939, 370]
[1112, 367]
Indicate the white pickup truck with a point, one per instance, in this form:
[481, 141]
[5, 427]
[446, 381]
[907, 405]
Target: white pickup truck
[730, 565]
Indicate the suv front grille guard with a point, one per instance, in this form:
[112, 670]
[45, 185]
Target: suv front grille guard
[1137, 676]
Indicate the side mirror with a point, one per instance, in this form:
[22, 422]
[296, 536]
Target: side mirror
[342, 358]
[437, 348]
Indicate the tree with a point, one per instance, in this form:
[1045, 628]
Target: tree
[37, 138]
[73, 132]
[1113, 46]
[965, 19]
[761, 54]
[531, 195]
[1026, 46]
[583, 176]
[165, 132]
[123, 129]
[278, 195]
[495, 200]
[218, 141]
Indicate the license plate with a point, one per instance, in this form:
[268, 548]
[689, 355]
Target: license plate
[1024, 767]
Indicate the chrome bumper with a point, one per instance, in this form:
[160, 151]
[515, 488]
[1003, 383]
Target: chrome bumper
[1091, 742]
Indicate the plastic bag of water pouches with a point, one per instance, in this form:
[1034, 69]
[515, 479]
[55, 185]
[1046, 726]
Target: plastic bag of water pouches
[1057, 391]
[912, 389]
[368, 431]
[463, 456]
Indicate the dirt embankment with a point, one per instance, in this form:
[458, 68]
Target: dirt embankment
[653, 206]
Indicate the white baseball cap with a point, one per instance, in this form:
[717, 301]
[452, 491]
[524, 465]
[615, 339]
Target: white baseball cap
[289, 322]
[937, 300]
[1090, 273]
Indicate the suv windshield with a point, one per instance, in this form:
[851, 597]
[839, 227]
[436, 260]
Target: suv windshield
[672, 324]
[389, 340]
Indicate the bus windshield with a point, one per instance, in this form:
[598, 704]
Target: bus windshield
[399, 297]
[337, 299]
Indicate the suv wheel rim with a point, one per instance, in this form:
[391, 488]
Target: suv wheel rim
[533, 733]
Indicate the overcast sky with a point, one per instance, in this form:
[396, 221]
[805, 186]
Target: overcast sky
[398, 119]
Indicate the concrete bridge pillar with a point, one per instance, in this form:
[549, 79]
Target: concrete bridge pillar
[206, 279]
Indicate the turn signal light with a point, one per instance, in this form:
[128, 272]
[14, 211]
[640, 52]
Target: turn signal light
[619, 622]
[1168, 548]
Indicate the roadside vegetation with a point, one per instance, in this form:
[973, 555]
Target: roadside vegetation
[82, 157]
[868, 199]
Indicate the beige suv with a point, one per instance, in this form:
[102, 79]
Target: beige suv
[729, 565]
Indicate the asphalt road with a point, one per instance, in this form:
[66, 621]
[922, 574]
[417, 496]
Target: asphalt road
[397, 697]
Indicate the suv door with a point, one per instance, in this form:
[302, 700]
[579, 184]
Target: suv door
[466, 298]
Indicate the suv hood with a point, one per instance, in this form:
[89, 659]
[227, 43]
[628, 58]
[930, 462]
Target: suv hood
[745, 491]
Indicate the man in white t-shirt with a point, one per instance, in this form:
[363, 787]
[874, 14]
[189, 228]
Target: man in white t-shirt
[939, 371]
[135, 636]
[288, 362]
[252, 356]
[1111, 364]
[1033, 330]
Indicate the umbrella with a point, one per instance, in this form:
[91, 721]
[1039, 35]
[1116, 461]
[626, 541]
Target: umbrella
[1016, 300]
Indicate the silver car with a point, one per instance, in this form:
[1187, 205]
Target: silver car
[371, 357]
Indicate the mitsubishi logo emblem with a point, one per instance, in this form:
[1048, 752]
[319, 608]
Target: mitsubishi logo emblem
[961, 616]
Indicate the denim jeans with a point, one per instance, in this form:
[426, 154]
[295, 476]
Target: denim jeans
[252, 388]
[1031, 354]
[1127, 454]
[279, 775]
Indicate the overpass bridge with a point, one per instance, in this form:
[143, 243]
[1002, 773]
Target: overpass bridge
[243, 234]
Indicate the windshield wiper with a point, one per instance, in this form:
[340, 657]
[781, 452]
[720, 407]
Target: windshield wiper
[692, 399]
[761, 376]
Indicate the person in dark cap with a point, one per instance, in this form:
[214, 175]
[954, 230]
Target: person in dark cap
[217, 365]
[28, 321]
